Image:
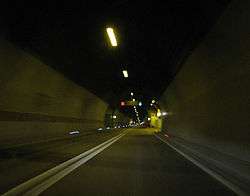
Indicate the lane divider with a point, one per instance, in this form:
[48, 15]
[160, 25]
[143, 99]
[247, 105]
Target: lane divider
[215, 175]
[40, 183]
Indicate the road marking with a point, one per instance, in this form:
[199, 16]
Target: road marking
[166, 135]
[40, 183]
[215, 175]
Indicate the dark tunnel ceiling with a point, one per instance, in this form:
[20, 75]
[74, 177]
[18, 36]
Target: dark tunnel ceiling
[154, 38]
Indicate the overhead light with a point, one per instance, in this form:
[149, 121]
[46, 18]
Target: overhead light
[114, 116]
[111, 35]
[153, 101]
[151, 104]
[131, 93]
[125, 73]
[149, 119]
[140, 103]
[164, 113]
[133, 99]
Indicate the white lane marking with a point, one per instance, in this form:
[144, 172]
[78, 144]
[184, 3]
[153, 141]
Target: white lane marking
[40, 183]
[215, 175]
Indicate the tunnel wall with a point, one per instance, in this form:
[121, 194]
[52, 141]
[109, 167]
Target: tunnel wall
[120, 119]
[37, 103]
[209, 99]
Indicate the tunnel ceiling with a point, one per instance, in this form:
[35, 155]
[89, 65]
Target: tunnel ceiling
[153, 40]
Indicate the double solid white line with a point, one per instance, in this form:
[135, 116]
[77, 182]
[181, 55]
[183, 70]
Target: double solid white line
[40, 183]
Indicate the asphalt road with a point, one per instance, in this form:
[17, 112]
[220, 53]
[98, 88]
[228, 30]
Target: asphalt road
[138, 164]
[21, 163]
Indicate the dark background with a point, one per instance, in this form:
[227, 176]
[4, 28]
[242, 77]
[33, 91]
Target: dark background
[153, 40]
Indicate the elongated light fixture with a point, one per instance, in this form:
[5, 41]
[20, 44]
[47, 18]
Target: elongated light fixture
[111, 35]
[125, 73]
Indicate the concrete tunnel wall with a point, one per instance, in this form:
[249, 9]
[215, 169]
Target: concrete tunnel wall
[209, 99]
[37, 103]
[120, 119]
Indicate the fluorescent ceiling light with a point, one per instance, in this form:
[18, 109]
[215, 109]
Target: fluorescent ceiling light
[125, 73]
[111, 35]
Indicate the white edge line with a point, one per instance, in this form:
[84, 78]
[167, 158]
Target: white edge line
[52, 180]
[215, 175]
[38, 180]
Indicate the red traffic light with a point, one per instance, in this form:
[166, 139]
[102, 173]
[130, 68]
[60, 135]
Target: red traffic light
[122, 103]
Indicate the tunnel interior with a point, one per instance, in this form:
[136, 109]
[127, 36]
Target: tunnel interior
[187, 64]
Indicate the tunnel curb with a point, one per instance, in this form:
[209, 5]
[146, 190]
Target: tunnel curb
[213, 168]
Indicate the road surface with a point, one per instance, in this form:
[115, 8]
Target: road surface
[138, 164]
